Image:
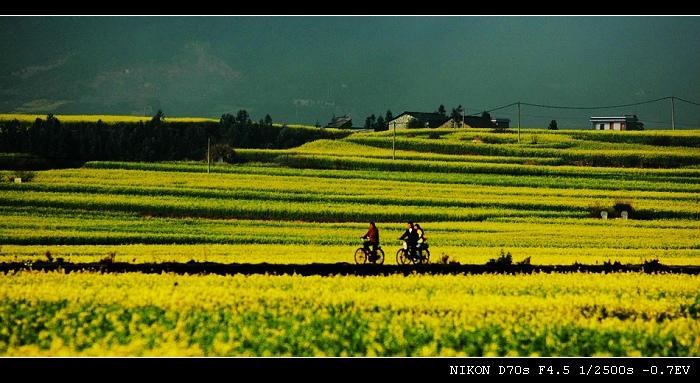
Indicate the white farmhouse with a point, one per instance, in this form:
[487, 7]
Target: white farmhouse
[626, 122]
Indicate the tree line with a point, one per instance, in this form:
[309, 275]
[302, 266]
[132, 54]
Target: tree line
[154, 140]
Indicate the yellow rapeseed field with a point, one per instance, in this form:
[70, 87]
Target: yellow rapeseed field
[579, 314]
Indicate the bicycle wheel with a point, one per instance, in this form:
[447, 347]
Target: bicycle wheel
[360, 256]
[401, 258]
[415, 259]
[425, 257]
[380, 257]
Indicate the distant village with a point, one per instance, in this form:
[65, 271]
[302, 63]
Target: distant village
[407, 120]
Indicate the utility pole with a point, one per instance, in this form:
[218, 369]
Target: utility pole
[394, 144]
[518, 121]
[673, 114]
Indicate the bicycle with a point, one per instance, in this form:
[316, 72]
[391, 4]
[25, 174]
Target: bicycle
[421, 255]
[362, 255]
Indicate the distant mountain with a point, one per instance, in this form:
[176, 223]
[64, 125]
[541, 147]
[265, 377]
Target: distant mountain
[184, 66]
[194, 82]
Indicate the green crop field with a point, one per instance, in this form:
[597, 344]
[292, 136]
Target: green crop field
[535, 194]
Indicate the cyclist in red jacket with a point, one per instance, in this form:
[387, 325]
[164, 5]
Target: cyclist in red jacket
[372, 239]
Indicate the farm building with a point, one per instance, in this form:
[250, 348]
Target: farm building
[340, 122]
[626, 122]
[418, 119]
[501, 122]
[475, 122]
[437, 120]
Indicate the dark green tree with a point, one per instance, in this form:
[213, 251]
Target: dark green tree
[441, 110]
[388, 116]
[380, 124]
[267, 120]
[41, 138]
[242, 117]
[237, 131]
[635, 125]
[158, 119]
[370, 122]
[553, 125]
[415, 123]
[222, 153]
[286, 138]
[11, 137]
[457, 113]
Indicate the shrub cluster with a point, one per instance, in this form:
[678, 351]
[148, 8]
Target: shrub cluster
[23, 175]
[617, 210]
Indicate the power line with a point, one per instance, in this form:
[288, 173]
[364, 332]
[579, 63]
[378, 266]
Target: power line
[595, 107]
[689, 102]
[502, 107]
[672, 98]
[592, 107]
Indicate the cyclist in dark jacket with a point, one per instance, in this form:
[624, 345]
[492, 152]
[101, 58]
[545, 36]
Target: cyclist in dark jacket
[411, 238]
[372, 239]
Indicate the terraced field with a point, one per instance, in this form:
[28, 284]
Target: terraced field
[311, 204]
[121, 258]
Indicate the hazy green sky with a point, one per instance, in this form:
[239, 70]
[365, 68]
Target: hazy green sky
[309, 69]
